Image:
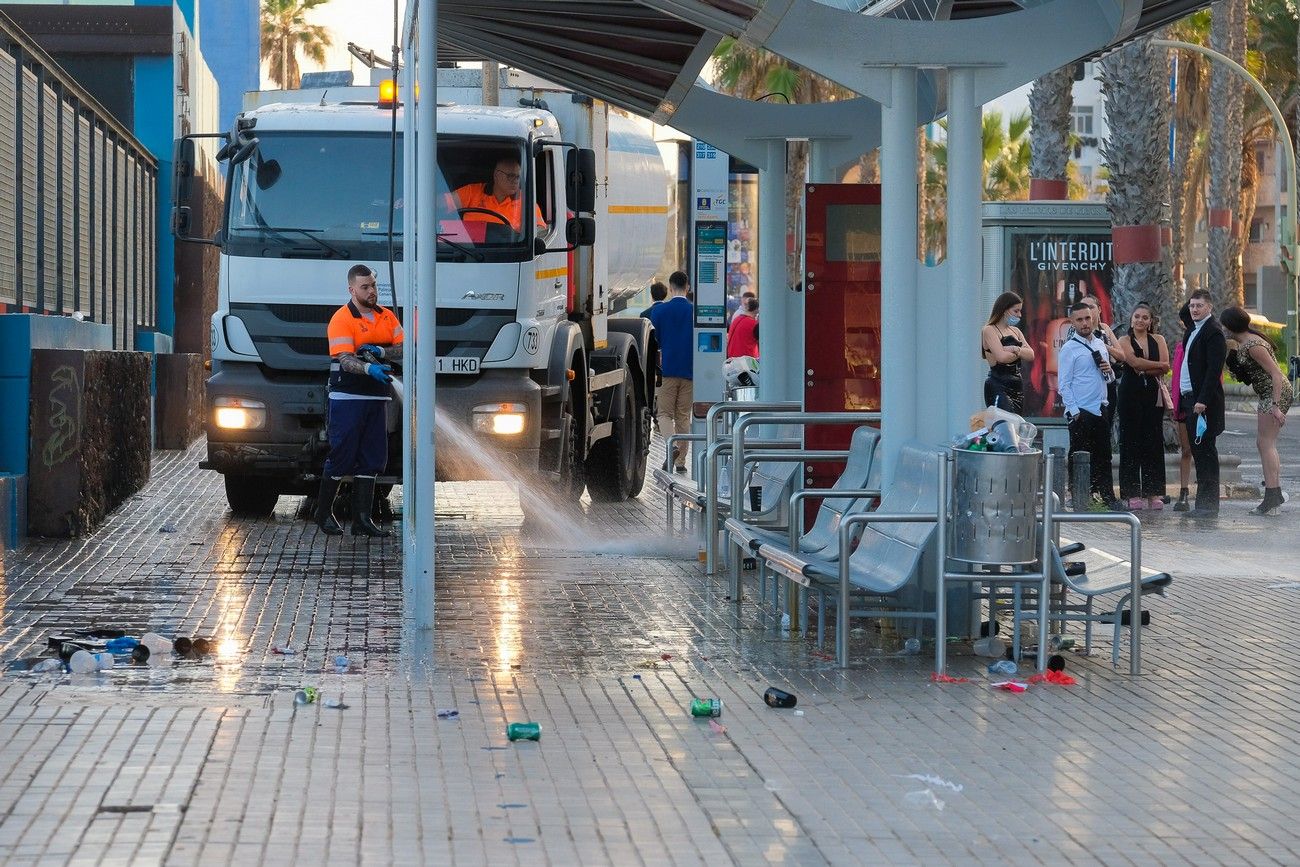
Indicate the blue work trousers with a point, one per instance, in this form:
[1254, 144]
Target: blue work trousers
[358, 436]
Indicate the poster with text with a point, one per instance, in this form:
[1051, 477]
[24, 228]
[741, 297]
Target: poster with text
[1052, 270]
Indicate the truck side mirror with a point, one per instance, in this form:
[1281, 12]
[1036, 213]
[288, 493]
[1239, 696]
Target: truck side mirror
[185, 193]
[580, 231]
[580, 180]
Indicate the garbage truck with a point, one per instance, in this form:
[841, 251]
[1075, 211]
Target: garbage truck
[532, 363]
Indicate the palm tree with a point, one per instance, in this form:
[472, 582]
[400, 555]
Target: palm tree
[1006, 173]
[1228, 36]
[1191, 113]
[1135, 82]
[284, 32]
[1050, 102]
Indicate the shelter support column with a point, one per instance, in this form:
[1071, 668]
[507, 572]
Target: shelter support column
[782, 371]
[960, 334]
[898, 268]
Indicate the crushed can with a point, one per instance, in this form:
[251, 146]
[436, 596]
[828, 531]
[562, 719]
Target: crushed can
[710, 707]
[524, 731]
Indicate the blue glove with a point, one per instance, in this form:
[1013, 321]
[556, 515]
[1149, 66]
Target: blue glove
[378, 372]
[377, 351]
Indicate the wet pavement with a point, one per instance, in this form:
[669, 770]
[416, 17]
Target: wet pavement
[602, 630]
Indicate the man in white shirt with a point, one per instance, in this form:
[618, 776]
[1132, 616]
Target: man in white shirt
[1083, 371]
[1201, 388]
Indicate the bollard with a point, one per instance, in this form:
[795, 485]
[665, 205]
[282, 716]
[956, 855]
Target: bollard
[1081, 480]
[1056, 454]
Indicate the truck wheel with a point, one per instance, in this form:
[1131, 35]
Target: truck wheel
[642, 451]
[612, 464]
[571, 481]
[251, 496]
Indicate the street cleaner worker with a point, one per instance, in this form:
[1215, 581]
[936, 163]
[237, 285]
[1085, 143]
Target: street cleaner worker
[500, 195]
[359, 332]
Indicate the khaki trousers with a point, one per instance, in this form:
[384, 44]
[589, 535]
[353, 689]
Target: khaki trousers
[674, 412]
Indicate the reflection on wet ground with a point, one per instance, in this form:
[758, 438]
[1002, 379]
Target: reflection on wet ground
[603, 630]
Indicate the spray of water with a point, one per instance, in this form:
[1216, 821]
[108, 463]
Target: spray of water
[548, 520]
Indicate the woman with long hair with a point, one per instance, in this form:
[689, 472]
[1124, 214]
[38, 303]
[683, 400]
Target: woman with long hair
[1004, 347]
[1180, 413]
[1142, 413]
[1253, 363]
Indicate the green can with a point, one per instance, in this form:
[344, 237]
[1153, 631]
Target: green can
[525, 731]
[706, 707]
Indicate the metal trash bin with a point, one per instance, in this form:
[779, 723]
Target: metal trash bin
[994, 505]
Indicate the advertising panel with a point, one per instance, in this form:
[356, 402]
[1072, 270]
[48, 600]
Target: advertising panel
[1052, 269]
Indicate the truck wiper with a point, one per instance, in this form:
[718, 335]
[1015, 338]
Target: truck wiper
[282, 231]
[468, 251]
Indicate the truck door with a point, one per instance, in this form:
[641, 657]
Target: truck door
[551, 269]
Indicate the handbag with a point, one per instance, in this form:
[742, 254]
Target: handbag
[1164, 399]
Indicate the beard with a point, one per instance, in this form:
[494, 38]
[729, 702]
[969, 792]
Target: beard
[368, 302]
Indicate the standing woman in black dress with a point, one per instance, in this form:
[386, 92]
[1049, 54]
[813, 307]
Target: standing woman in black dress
[1142, 413]
[1004, 347]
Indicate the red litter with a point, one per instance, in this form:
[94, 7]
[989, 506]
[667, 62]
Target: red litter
[1059, 678]
[665, 656]
[1010, 685]
[717, 727]
[939, 677]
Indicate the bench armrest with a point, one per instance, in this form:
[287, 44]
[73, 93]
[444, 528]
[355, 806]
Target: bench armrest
[796, 522]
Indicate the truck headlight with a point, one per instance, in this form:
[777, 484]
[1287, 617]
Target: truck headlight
[501, 419]
[239, 413]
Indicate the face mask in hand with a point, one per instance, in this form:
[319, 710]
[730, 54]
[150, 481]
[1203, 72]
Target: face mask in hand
[1200, 428]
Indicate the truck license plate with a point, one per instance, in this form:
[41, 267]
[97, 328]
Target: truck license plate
[456, 365]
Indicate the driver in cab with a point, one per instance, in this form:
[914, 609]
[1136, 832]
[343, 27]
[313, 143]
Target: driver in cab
[501, 195]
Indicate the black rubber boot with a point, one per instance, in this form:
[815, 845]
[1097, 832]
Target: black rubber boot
[363, 501]
[329, 489]
[1181, 505]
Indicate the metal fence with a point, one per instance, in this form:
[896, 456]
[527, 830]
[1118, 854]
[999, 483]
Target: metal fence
[78, 199]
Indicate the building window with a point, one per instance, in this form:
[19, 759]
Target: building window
[1081, 120]
[1261, 156]
[1249, 292]
[1258, 230]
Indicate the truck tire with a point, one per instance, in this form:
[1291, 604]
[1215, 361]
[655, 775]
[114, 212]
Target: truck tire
[251, 496]
[642, 460]
[571, 480]
[612, 464]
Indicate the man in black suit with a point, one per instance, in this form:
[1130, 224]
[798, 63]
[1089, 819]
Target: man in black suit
[1201, 385]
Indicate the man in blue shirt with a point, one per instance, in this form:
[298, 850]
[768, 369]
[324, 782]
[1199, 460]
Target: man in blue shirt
[674, 322]
[1083, 371]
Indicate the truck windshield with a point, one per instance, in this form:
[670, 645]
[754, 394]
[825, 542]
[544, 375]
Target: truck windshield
[326, 196]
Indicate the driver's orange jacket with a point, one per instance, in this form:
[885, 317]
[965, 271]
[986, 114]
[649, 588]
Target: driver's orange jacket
[477, 196]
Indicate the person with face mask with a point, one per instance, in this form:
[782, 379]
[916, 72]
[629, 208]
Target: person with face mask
[1004, 347]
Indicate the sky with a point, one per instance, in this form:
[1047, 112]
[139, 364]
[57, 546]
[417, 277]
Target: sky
[368, 23]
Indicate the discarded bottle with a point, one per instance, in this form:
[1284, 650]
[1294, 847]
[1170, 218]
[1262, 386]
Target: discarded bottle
[84, 662]
[341, 663]
[66, 649]
[140, 654]
[779, 698]
[785, 622]
[1003, 666]
[706, 707]
[989, 646]
[183, 646]
[306, 695]
[47, 665]
[525, 731]
[156, 643]
[911, 647]
[124, 644]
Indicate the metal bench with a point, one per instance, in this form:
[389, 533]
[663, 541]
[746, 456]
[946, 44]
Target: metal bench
[856, 490]
[1101, 575]
[896, 545]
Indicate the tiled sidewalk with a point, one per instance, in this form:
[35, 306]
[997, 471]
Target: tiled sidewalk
[209, 761]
